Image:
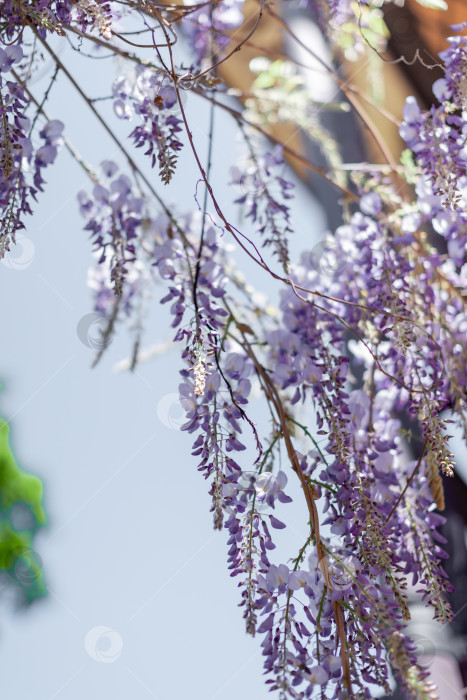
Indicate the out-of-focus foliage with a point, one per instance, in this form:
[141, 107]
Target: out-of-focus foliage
[21, 514]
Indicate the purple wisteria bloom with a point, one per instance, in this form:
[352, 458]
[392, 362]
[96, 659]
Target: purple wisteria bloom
[437, 138]
[264, 192]
[22, 159]
[114, 215]
[207, 30]
[153, 101]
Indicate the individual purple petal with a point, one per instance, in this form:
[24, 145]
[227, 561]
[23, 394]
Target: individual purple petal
[275, 523]
[267, 624]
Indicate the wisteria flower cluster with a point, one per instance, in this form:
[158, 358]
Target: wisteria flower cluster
[207, 27]
[344, 385]
[152, 99]
[437, 140]
[21, 160]
[264, 192]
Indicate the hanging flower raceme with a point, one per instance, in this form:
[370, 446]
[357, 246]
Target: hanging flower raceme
[215, 394]
[264, 192]
[376, 536]
[22, 159]
[402, 315]
[437, 139]
[50, 16]
[307, 354]
[114, 217]
[207, 28]
[452, 87]
[152, 98]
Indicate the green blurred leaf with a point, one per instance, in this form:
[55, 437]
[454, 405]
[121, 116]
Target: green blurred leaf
[18, 488]
[15, 484]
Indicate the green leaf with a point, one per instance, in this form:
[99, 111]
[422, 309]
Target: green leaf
[18, 488]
